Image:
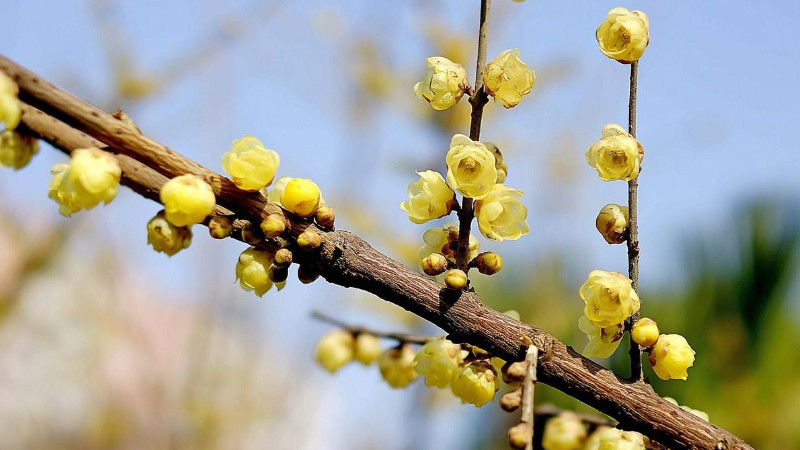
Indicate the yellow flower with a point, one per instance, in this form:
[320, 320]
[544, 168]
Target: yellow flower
[624, 35]
[444, 240]
[274, 194]
[603, 342]
[438, 361]
[429, 198]
[252, 270]
[10, 111]
[187, 200]
[166, 237]
[476, 384]
[593, 442]
[301, 196]
[335, 349]
[397, 366]
[645, 332]
[616, 439]
[92, 176]
[16, 150]
[609, 298]
[444, 83]
[671, 357]
[470, 167]
[250, 165]
[368, 348]
[507, 78]
[564, 432]
[501, 215]
[617, 155]
[612, 223]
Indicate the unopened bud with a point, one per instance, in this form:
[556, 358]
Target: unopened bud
[283, 258]
[434, 264]
[220, 227]
[519, 435]
[325, 216]
[306, 274]
[612, 223]
[488, 263]
[278, 274]
[499, 163]
[309, 240]
[456, 279]
[251, 236]
[645, 332]
[514, 372]
[511, 401]
[274, 225]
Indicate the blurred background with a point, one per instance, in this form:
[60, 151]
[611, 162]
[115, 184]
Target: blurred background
[106, 344]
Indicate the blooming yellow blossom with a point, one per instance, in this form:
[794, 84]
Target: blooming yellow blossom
[301, 196]
[187, 200]
[501, 215]
[603, 342]
[92, 176]
[438, 361]
[444, 83]
[645, 332]
[476, 383]
[166, 237]
[564, 432]
[335, 349]
[617, 155]
[429, 198]
[593, 441]
[609, 297]
[252, 271]
[671, 357]
[250, 165]
[612, 223]
[397, 366]
[616, 439]
[10, 111]
[444, 240]
[624, 35]
[507, 78]
[16, 150]
[470, 167]
[368, 348]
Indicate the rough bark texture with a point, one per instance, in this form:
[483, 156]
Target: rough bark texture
[349, 261]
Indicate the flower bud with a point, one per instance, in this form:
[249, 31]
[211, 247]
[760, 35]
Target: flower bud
[283, 258]
[671, 356]
[612, 223]
[397, 366]
[429, 198]
[301, 196]
[278, 274]
[470, 167]
[609, 298]
[166, 237]
[514, 372]
[335, 349]
[499, 162]
[488, 263]
[187, 200]
[434, 264]
[603, 341]
[220, 227]
[645, 332]
[252, 271]
[564, 432]
[456, 279]
[511, 401]
[16, 150]
[444, 83]
[325, 216]
[250, 165]
[10, 110]
[616, 439]
[476, 383]
[92, 176]
[624, 35]
[309, 240]
[274, 225]
[306, 274]
[438, 361]
[250, 235]
[520, 435]
[368, 348]
[508, 79]
[617, 155]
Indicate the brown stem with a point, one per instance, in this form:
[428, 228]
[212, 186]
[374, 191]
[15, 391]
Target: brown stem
[528, 386]
[633, 230]
[399, 337]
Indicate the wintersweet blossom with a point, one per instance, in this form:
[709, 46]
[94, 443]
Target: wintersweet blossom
[429, 198]
[476, 383]
[501, 215]
[301, 196]
[187, 200]
[16, 150]
[603, 342]
[444, 83]
[397, 366]
[10, 111]
[165, 237]
[616, 439]
[623, 35]
[252, 270]
[609, 298]
[470, 167]
[612, 223]
[438, 361]
[508, 79]
[250, 165]
[92, 176]
[564, 432]
[671, 357]
[335, 349]
[616, 155]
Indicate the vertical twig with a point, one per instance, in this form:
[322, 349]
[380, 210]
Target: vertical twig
[633, 229]
[528, 386]
[478, 101]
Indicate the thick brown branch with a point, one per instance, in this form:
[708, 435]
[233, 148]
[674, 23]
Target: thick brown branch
[349, 261]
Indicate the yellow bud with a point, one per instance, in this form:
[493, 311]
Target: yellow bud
[309, 240]
[671, 357]
[476, 383]
[397, 366]
[617, 155]
[220, 227]
[10, 110]
[16, 150]
[283, 258]
[511, 401]
[187, 200]
[645, 332]
[434, 264]
[501, 215]
[325, 216]
[274, 225]
[166, 237]
[306, 274]
[624, 35]
[470, 167]
[520, 435]
[301, 197]
[488, 263]
[499, 162]
[603, 342]
[615, 439]
[252, 271]
[368, 348]
[278, 274]
[564, 432]
[612, 223]
[444, 83]
[609, 298]
[438, 361]
[508, 79]
[250, 165]
[429, 198]
[456, 279]
[335, 349]
[514, 372]
[92, 176]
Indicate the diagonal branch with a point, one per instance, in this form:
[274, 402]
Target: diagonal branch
[347, 260]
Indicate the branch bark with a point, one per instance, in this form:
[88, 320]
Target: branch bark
[349, 261]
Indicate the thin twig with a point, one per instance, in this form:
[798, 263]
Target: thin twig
[528, 386]
[399, 337]
[633, 229]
